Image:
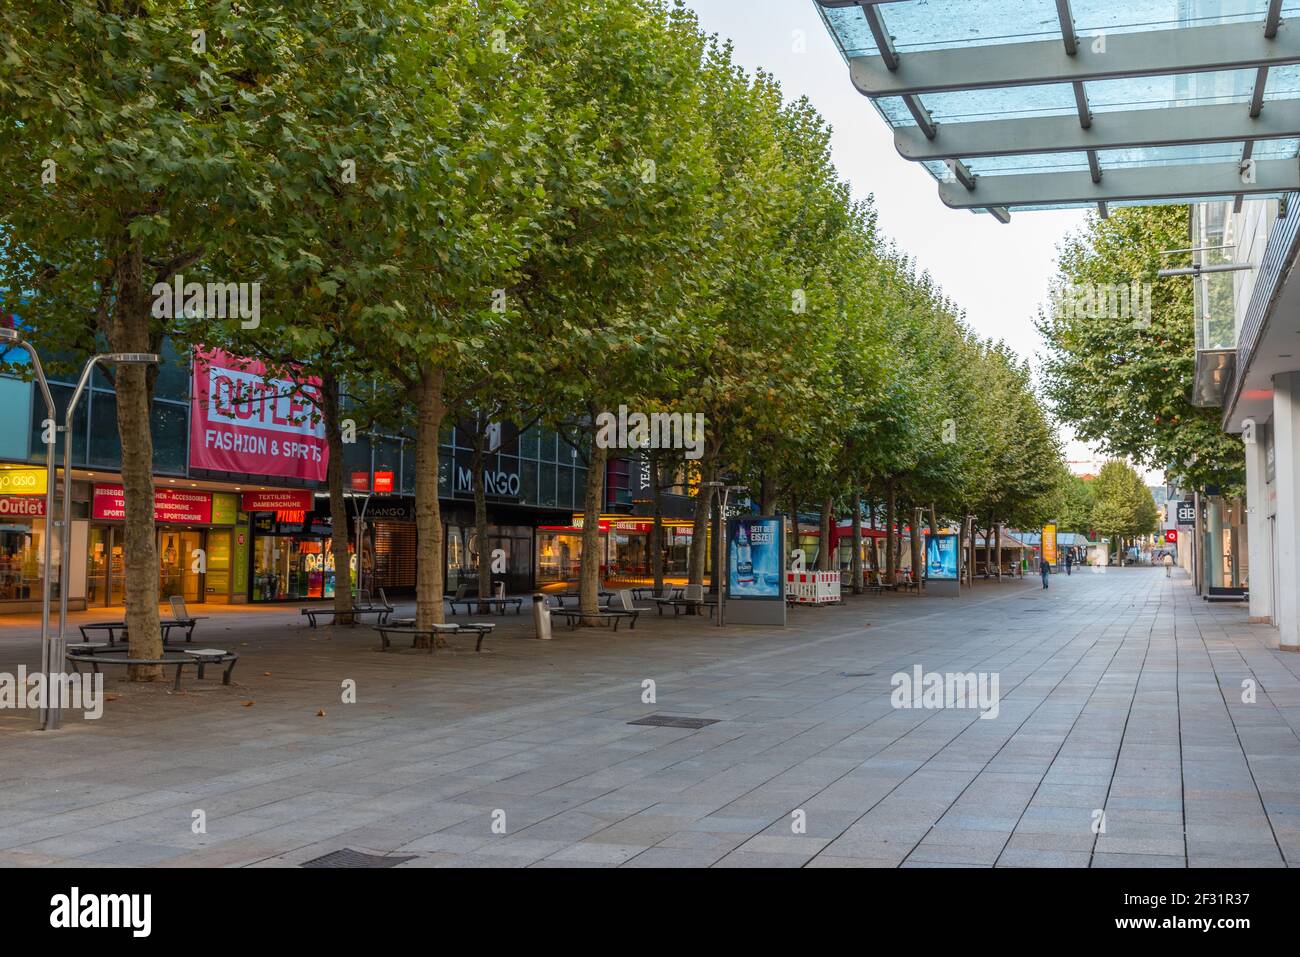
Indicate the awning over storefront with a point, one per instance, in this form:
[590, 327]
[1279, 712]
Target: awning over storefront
[1032, 104]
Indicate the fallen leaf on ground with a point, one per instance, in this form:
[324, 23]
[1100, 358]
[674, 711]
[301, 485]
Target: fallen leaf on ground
[320, 713]
[248, 704]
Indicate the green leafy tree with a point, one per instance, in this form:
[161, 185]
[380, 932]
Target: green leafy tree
[1122, 504]
[130, 155]
[1122, 378]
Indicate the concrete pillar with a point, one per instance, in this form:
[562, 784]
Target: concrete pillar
[1257, 535]
[1286, 446]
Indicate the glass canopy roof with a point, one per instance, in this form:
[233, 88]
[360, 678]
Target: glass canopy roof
[1028, 104]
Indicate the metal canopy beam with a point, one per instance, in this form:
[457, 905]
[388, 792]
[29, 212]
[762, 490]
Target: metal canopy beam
[1119, 129]
[884, 42]
[1225, 46]
[1068, 36]
[1157, 182]
[1273, 18]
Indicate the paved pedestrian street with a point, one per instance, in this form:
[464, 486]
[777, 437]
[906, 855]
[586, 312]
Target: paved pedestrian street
[1124, 733]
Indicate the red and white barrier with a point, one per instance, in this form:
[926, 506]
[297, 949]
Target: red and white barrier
[812, 588]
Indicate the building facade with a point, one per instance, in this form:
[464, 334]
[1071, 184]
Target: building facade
[241, 506]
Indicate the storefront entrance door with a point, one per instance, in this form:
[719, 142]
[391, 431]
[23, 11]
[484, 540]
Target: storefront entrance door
[176, 562]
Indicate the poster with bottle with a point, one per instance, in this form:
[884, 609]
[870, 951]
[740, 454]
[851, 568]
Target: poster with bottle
[941, 557]
[754, 565]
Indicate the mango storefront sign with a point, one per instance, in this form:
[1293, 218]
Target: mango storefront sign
[22, 481]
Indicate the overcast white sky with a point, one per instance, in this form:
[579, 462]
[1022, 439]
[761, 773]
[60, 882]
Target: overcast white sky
[998, 274]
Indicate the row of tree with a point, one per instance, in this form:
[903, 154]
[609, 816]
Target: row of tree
[501, 210]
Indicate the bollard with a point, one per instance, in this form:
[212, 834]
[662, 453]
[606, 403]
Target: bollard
[541, 617]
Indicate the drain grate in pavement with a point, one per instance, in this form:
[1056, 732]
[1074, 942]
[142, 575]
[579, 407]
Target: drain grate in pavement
[673, 721]
[856, 674]
[350, 858]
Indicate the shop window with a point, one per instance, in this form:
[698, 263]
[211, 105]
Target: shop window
[528, 443]
[564, 486]
[546, 493]
[62, 395]
[408, 468]
[105, 445]
[169, 424]
[173, 373]
[528, 482]
[546, 442]
[356, 458]
[16, 397]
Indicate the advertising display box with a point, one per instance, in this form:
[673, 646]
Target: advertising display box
[943, 565]
[756, 570]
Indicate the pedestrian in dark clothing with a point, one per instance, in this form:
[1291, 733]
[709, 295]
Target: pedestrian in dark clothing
[1046, 570]
[1069, 560]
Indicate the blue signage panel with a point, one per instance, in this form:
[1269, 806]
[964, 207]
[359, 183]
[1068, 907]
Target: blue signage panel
[754, 558]
[941, 557]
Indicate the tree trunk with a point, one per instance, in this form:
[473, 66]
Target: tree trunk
[128, 331]
[794, 526]
[856, 562]
[997, 546]
[700, 527]
[331, 414]
[429, 571]
[891, 535]
[141, 546]
[589, 580]
[657, 529]
[825, 554]
[478, 463]
[766, 495]
[917, 564]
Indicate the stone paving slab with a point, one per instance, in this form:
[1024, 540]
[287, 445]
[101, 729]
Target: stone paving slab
[1119, 693]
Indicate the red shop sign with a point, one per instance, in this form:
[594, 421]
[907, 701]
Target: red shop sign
[361, 481]
[1171, 535]
[383, 481]
[169, 505]
[277, 499]
[24, 505]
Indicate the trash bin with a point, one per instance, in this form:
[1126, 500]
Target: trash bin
[541, 617]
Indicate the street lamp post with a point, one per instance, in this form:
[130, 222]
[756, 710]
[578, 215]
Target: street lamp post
[50, 721]
[720, 561]
[49, 661]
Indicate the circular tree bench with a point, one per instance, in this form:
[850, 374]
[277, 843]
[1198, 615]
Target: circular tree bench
[200, 657]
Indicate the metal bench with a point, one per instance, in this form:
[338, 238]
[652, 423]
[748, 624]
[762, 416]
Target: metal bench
[406, 626]
[114, 627]
[501, 603]
[200, 657]
[575, 615]
[355, 612]
[182, 616]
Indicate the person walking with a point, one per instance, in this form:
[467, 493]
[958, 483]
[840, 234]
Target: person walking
[1169, 565]
[1046, 570]
[1069, 560]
